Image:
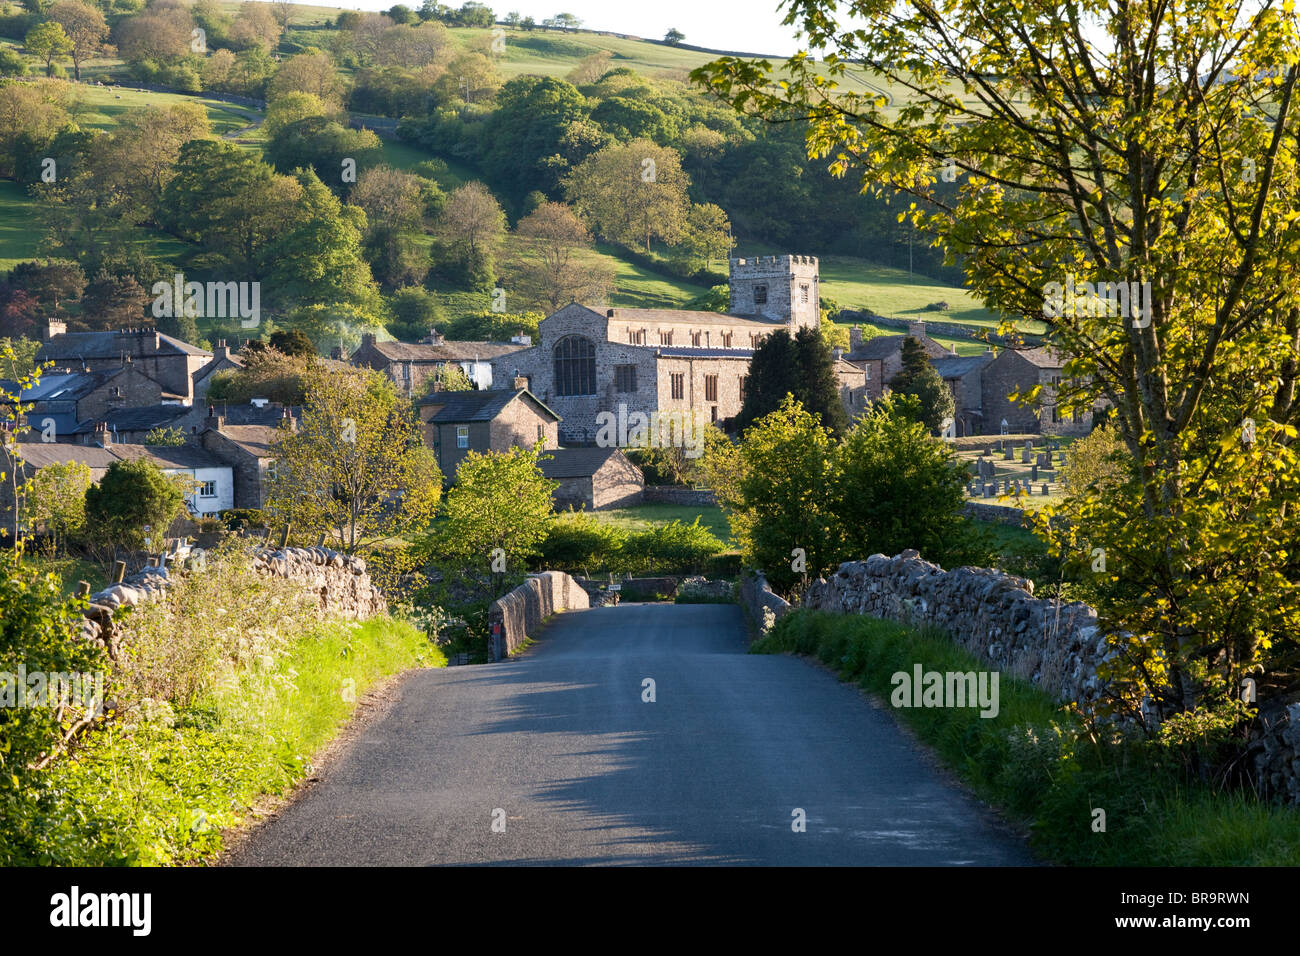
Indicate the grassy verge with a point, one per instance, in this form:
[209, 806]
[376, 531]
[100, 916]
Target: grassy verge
[160, 787]
[1035, 762]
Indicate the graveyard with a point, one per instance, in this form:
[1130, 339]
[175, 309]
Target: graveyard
[1021, 470]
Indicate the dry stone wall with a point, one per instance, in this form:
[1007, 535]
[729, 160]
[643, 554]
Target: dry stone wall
[993, 615]
[516, 615]
[341, 583]
[763, 605]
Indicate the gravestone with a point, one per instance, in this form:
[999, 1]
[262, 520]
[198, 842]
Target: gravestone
[1008, 454]
[1033, 473]
[1027, 453]
[1044, 490]
[988, 490]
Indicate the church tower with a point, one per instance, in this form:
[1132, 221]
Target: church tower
[779, 288]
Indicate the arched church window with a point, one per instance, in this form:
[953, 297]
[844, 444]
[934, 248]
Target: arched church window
[575, 366]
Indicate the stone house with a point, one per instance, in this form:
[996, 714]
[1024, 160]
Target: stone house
[132, 425]
[410, 365]
[456, 423]
[881, 358]
[623, 361]
[223, 358]
[63, 400]
[168, 361]
[247, 450]
[1019, 370]
[594, 478]
[211, 481]
[964, 376]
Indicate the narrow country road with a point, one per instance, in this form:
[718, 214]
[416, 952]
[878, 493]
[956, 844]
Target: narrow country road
[587, 772]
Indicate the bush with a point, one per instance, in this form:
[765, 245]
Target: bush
[131, 497]
[37, 628]
[578, 542]
[238, 519]
[673, 548]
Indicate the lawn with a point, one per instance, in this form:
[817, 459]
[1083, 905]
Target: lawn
[646, 516]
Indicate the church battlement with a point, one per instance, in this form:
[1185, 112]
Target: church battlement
[754, 265]
[782, 288]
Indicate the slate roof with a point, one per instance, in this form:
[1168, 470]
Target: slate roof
[446, 352]
[690, 315]
[137, 419]
[883, 346]
[959, 366]
[65, 386]
[40, 454]
[101, 345]
[576, 462]
[478, 406]
[254, 439]
[1042, 357]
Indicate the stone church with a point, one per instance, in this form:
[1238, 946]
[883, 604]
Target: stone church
[589, 361]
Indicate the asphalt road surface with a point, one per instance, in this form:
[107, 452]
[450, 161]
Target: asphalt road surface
[561, 748]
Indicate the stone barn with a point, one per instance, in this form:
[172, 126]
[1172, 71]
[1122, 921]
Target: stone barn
[594, 478]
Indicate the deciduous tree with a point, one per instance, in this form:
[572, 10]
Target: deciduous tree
[356, 466]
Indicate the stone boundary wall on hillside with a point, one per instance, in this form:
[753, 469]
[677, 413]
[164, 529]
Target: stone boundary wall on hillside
[991, 614]
[763, 605]
[678, 495]
[516, 615]
[340, 581]
[951, 330]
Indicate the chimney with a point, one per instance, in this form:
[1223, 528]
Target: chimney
[609, 313]
[837, 353]
[520, 382]
[989, 351]
[521, 339]
[101, 435]
[337, 354]
[855, 338]
[367, 340]
[214, 422]
[916, 329]
[55, 327]
[220, 351]
[434, 337]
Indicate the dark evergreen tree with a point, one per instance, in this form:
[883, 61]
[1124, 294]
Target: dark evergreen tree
[801, 366]
[915, 361]
[773, 373]
[819, 388]
[919, 378]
